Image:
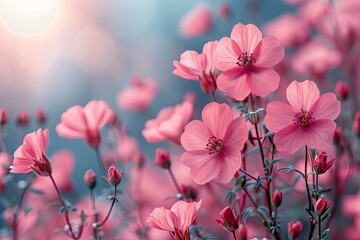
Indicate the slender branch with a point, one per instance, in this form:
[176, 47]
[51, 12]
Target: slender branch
[317, 197]
[310, 207]
[233, 232]
[174, 180]
[73, 235]
[96, 214]
[114, 199]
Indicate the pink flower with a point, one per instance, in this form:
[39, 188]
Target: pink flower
[294, 229]
[196, 22]
[85, 122]
[114, 176]
[169, 123]
[315, 57]
[177, 220]
[139, 95]
[246, 60]
[213, 146]
[195, 66]
[308, 120]
[30, 156]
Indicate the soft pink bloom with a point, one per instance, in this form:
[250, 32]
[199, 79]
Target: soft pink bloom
[286, 29]
[169, 123]
[308, 120]
[114, 176]
[228, 220]
[294, 229]
[90, 178]
[3, 116]
[213, 146]
[196, 22]
[22, 118]
[177, 220]
[40, 115]
[139, 95]
[195, 66]
[315, 57]
[342, 90]
[320, 163]
[85, 122]
[30, 156]
[127, 146]
[246, 60]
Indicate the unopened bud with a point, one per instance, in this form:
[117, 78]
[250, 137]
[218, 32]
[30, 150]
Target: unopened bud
[40, 116]
[321, 164]
[22, 118]
[228, 219]
[162, 158]
[90, 179]
[114, 176]
[322, 205]
[342, 90]
[294, 229]
[3, 116]
[277, 197]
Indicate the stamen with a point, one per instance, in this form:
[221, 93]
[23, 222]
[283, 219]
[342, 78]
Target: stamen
[303, 118]
[245, 60]
[214, 145]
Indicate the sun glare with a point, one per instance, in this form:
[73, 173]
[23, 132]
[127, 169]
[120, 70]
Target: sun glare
[28, 17]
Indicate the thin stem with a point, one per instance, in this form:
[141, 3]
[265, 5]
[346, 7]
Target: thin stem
[96, 215]
[174, 180]
[111, 208]
[213, 97]
[73, 235]
[312, 226]
[319, 227]
[233, 232]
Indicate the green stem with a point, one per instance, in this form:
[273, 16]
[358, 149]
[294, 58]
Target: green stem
[174, 180]
[111, 208]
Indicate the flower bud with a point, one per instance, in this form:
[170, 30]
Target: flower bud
[356, 124]
[228, 220]
[320, 163]
[337, 135]
[114, 176]
[294, 229]
[3, 116]
[241, 233]
[139, 159]
[254, 118]
[342, 90]
[90, 179]
[189, 192]
[322, 205]
[40, 116]
[162, 158]
[277, 198]
[22, 118]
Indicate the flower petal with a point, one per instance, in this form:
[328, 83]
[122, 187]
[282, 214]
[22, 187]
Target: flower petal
[236, 134]
[205, 172]
[230, 164]
[268, 52]
[162, 219]
[289, 139]
[302, 95]
[326, 107]
[278, 115]
[195, 136]
[246, 36]
[226, 54]
[262, 81]
[320, 133]
[217, 117]
[186, 214]
[234, 82]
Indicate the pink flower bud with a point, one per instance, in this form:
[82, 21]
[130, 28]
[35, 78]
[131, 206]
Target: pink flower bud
[42, 167]
[114, 176]
[342, 90]
[3, 116]
[189, 192]
[162, 158]
[277, 198]
[294, 229]
[356, 124]
[90, 179]
[241, 233]
[22, 118]
[320, 163]
[322, 205]
[228, 220]
[337, 135]
[224, 10]
[40, 115]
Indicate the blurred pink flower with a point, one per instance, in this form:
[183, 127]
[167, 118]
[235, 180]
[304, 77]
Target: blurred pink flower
[286, 29]
[315, 58]
[246, 60]
[30, 156]
[139, 95]
[195, 66]
[177, 220]
[85, 122]
[308, 120]
[196, 22]
[213, 146]
[169, 123]
[4, 117]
